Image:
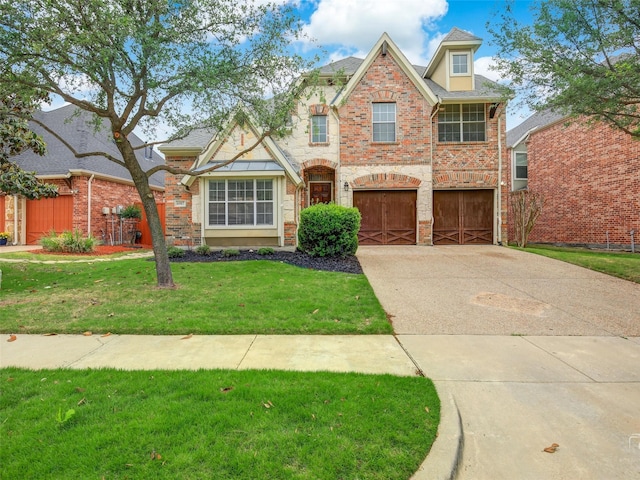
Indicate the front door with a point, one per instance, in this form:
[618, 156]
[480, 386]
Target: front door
[320, 192]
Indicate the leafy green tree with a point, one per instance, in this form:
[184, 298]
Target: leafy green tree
[15, 138]
[578, 57]
[140, 63]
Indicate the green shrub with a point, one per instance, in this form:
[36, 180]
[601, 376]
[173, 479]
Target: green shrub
[266, 251]
[328, 230]
[230, 252]
[68, 242]
[203, 250]
[131, 211]
[175, 252]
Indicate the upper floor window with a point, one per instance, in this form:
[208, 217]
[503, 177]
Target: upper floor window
[521, 166]
[462, 123]
[241, 202]
[319, 129]
[460, 64]
[384, 122]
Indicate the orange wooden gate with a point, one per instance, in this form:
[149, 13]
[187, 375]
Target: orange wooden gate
[145, 239]
[48, 214]
[3, 213]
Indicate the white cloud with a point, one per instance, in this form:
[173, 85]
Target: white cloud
[483, 66]
[355, 25]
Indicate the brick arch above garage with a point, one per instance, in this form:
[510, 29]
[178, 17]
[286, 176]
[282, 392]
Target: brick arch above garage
[385, 180]
[465, 180]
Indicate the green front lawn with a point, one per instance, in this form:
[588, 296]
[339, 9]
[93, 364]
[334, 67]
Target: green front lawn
[618, 264]
[213, 424]
[249, 297]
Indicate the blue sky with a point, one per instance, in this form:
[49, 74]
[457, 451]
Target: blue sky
[351, 27]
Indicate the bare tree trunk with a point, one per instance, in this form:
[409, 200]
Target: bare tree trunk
[141, 181]
[526, 207]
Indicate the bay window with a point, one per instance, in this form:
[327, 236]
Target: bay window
[245, 202]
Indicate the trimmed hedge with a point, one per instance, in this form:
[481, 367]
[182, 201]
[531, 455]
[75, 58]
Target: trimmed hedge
[329, 230]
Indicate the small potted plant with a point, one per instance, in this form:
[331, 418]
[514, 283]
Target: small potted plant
[4, 237]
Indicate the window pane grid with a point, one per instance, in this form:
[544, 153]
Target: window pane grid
[384, 122]
[462, 123]
[319, 129]
[459, 63]
[241, 202]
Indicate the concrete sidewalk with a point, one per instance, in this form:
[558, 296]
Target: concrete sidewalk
[515, 395]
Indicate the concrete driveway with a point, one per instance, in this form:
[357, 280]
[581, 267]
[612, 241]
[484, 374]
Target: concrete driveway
[533, 352]
[490, 290]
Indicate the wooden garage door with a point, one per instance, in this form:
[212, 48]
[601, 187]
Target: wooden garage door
[463, 217]
[48, 214]
[388, 217]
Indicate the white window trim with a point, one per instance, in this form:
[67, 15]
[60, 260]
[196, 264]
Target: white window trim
[311, 140]
[469, 63]
[275, 201]
[395, 123]
[515, 166]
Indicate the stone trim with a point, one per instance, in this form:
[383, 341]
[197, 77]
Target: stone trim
[319, 109]
[387, 96]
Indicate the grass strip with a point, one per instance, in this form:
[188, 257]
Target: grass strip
[618, 264]
[249, 297]
[213, 424]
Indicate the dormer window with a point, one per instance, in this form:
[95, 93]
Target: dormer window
[460, 63]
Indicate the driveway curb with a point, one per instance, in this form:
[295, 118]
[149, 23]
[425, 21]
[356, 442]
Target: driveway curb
[445, 455]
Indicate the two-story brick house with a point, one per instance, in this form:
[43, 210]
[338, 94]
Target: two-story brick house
[588, 174]
[418, 150]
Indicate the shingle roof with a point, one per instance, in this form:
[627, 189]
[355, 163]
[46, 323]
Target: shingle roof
[77, 130]
[348, 66]
[535, 121]
[457, 35]
[485, 88]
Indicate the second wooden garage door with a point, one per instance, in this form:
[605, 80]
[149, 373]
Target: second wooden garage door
[462, 217]
[388, 217]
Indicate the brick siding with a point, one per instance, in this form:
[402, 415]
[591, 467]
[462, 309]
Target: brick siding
[589, 176]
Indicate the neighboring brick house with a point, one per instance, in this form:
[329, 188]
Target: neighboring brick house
[88, 187]
[589, 175]
[418, 150]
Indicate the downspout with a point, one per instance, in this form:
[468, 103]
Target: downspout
[500, 179]
[89, 203]
[436, 108]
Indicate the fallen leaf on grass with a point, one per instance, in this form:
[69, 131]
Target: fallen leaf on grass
[12, 338]
[155, 456]
[316, 311]
[187, 337]
[226, 389]
[98, 281]
[268, 404]
[426, 409]
[552, 448]
[82, 401]
[80, 389]
[87, 333]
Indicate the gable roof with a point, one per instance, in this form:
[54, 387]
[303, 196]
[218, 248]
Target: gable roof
[538, 120]
[203, 143]
[456, 38]
[387, 46]
[74, 126]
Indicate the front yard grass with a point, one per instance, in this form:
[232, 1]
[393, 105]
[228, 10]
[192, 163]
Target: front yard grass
[617, 264]
[214, 424]
[250, 297]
